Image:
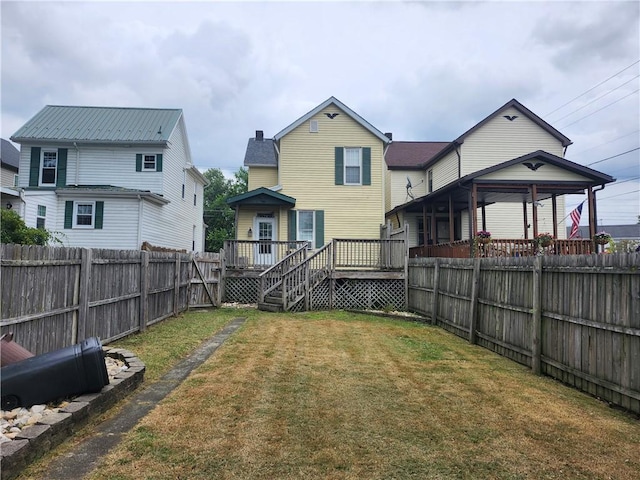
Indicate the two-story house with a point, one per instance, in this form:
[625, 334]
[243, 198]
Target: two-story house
[110, 177]
[321, 177]
[9, 163]
[331, 174]
[507, 174]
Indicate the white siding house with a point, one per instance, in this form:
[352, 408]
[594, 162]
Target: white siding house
[111, 177]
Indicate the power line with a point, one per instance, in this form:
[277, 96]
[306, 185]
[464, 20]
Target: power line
[619, 195]
[596, 99]
[594, 87]
[606, 143]
[613, 156]
[606, 106]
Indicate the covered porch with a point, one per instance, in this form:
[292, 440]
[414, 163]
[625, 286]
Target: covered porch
[450, 217]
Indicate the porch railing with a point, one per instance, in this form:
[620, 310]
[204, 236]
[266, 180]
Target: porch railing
[271, 278]
[503, 248]
[385, 254]
[252, 254]
[298, 282]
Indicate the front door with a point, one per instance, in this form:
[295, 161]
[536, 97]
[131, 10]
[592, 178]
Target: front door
[265, 251]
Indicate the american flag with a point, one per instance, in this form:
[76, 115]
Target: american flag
[575, 218]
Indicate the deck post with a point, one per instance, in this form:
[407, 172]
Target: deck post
[475, 288]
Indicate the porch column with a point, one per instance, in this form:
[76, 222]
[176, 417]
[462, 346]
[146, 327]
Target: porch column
[451, 229]
[474, 210]
[593, 221]
[484, 216]
[434, 225]
[425, 230]
[526, 219]
[534, 199]
[555, 215]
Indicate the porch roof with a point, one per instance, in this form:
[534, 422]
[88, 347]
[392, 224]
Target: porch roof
[261, 196]
[511, 190]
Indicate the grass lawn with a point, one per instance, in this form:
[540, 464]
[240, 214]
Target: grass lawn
[353, 396]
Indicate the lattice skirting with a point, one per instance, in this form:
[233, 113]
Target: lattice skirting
[241, 290]
[358, 295]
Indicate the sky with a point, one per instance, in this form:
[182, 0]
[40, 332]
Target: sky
[425, 71]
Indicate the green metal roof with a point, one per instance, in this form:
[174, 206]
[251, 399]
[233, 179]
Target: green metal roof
[99, 124]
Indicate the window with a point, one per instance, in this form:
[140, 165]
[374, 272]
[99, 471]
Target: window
[83, 214]
[306, 227]
[430, 181]
[42, 214]
[352, 166]
[149, 162]
[184, 182]
[15, 180]
[49, 167]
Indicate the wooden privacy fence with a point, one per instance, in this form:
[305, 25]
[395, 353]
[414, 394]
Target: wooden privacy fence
[574, 318]
[53, 297]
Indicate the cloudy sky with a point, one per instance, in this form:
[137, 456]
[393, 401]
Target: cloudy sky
[422, 70]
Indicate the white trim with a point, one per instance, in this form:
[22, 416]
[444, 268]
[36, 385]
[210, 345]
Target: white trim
[155, 162]
[344, 165]
[55, 176]
[312, 242]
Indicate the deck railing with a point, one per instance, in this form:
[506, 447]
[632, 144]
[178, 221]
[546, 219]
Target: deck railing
[271, 278]
[260, 254]
[298, 281]
[383, 254]
[503, 248]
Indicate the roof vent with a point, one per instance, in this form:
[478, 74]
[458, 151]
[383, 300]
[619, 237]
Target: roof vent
[389, 135]
[259, 135]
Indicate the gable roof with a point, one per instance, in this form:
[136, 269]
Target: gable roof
[333, 101]
[411, 155]
[513, 103]
[99, 125]
[260, 153]
[9, 155]
[261, 196]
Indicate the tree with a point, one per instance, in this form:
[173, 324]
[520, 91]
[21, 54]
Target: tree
[218, 216]
[14, 230]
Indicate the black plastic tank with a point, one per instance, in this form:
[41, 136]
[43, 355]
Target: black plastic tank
[55, 375]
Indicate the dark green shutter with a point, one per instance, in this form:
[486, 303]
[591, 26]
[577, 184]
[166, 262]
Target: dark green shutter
[61, 181]
[319, 228]
[159, 162]
[68, 214]
[291, 234]
[99, 215]
[138, 162]
[34, 167]
[366, 166]
[339, 166]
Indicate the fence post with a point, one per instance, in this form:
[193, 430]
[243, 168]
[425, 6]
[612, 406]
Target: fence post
[83, 298]
[176, 285]
[536, 321]
[475, 288]
[144, 289]
[434, 304]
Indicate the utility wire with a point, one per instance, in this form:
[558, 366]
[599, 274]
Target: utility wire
[596, 111]
[596, 99]
[613, 156]
[606, 143]
[594, 87]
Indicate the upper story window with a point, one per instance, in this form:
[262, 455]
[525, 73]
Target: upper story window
[430, 181]
[149, 162]
[352, 166]
[49, 167]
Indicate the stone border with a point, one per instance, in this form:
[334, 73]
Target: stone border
[36, 440]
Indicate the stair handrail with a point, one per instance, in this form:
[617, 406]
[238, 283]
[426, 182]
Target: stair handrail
[298, 281]
[272, 277]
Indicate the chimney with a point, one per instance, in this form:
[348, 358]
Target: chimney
[259, 135]
[389, 135]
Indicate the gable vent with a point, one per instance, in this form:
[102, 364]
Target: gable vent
[313, 126]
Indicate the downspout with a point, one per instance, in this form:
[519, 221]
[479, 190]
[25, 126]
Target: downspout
[140, 213]
[595, 207]
[275, 145]
[459, 161]
[384, 183]
[77, 163]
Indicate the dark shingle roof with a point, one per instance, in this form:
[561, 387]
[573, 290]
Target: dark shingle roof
[260, 153]
[10, 155]
[411, 154]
